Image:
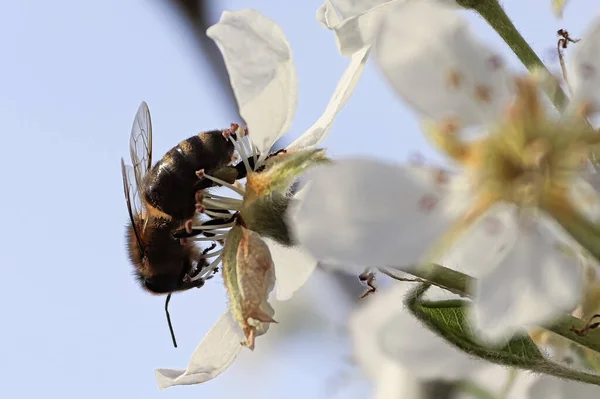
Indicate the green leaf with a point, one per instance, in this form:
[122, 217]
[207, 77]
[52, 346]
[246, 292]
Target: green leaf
[457, 283]
[448, 320]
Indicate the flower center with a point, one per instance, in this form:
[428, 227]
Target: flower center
[528, 156]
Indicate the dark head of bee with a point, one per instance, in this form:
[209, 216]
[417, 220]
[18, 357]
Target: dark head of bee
[161, 264]
[167, 283]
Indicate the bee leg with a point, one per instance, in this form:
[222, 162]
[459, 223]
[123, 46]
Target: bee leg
[201, 265]
[188, 231]
[218, 221]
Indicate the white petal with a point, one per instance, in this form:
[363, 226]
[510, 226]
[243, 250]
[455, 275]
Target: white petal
[440, 67]
[584, 196]
[383, 329]
[482, 247]
[366, 321]
[371, 213]
[584, 68]
[352, 8]
[327, 15]
[359, 22]
[320, 129]
[262, 73]
[547, 387]
[534, 283]
[358, 30]
[395, 381]
[215, 353]
[293, 267]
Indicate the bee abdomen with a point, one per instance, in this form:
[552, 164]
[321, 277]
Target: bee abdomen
[170, 184]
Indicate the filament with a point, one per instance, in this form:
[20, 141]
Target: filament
[224, 184]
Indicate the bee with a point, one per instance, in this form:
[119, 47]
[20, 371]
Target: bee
[161, 199]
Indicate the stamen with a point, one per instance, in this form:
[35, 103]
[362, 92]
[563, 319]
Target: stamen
[216, 237]
[245, 141]
[219, 232]
[201, 175]
[242, 151]
[214, 226]
[220, 197]
[454, 79]
[208, 269]
[216, 214]
[211, 254]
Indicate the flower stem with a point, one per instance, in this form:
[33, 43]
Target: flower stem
[494, 14]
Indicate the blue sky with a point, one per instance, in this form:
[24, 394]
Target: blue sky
[71, 78]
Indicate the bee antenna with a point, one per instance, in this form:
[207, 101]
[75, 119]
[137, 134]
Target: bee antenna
[169, 320]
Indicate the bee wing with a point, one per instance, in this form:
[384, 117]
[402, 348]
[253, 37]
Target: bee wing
[132, 196]
[140, 143]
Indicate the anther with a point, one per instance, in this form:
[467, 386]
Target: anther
[483, 94]
[586, 110]
[188, 226]
[427, 203]
[454, 79]
[441, 176]
[495, 62]
[450, 126]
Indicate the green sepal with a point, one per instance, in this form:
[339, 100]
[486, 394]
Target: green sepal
[230, 274]
[266, 216]
[286, 168]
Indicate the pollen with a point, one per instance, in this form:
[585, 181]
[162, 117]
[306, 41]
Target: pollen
[483, 94]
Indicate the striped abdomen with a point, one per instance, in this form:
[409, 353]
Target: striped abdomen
[170, 184]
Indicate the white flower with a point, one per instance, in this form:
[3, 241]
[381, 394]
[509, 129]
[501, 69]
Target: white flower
[498, 216]
[265, 84]
[547, 387]
[356, 23]
[384, 332]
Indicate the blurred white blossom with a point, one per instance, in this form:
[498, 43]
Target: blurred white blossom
[497, 214]
[356, 23]
[263, 77]
[547, 387]
[384, 333]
